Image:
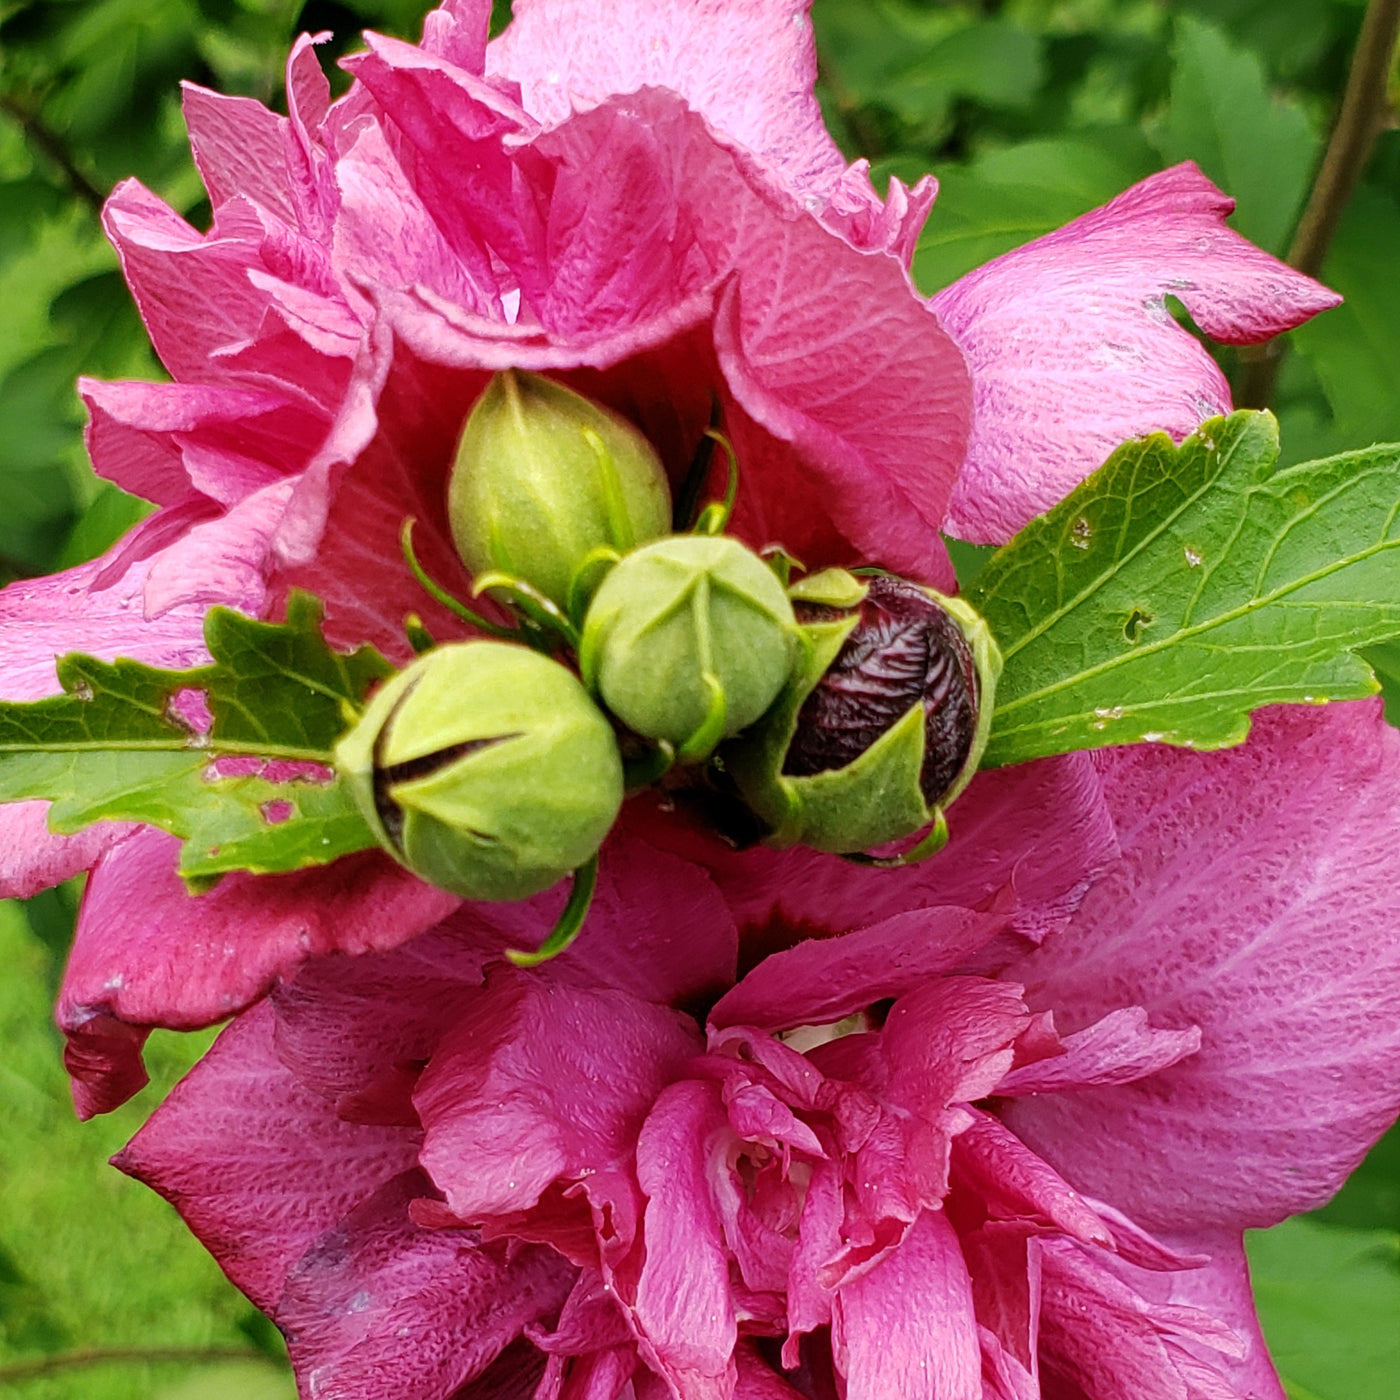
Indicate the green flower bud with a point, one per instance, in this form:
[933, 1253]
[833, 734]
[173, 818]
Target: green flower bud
[543, 478]
[882, 724]
[689, 640]
[485, 768]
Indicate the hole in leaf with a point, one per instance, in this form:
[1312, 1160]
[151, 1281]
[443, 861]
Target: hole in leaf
[1137, 621]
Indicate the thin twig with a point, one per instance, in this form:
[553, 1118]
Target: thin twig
[131, 1356]
[56, 149]
[1360, 120]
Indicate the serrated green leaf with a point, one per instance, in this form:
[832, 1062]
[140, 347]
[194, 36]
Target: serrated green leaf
[116, 745]
[1179, 588]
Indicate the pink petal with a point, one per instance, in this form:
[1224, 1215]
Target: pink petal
[32, 858]
[821, 980]
[148, 953]
[1073, 351]
[43, 619]
[1116, 1050]
[757, 1380]
[257, 1164]
[542, 1083]
[683, 1306]
[240, 149]
[379, 1297]
[748, 71]
[907, 1328]
[1254, 900]
[1040, 829]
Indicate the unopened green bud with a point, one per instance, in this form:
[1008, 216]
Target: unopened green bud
[689, 640]
[544, 477]
[882, 724]
[485, 768]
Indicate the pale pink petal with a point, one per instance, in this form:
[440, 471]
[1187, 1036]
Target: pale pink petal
[258, 1165]
[378, 1297]
[1073, 350]
[749, 71]
[1254, 900]
[907, 1328]
[148, 953]
[1115, 1050]
[821, 980]
[45, 618]
[542, 1083]
[32, 858]
[240, 149]
[223, 561]
[683, 1307]
[458, 30]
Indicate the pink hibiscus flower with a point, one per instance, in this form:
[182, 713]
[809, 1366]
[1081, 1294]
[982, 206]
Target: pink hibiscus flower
[976, 1146]
[640, 199]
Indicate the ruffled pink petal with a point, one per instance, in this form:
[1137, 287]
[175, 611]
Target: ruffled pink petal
[748, 71]
[378, 1297]
[683, 1306]
[821, 980]
[1254, 900]
[160, 441]
[1116, 1050]
[147, 953]
[1038, 832]
[542, 1083]
[32, 858]
[1072, 348]
[757, 1380]
[907, 1327]
[258, 1165]
[239, 148]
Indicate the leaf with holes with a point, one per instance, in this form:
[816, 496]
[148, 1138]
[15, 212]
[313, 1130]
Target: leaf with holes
[1179, 588]
[235, 756]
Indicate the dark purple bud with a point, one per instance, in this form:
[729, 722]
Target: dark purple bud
[904, 650]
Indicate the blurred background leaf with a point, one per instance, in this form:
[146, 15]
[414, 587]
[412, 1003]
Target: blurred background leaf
[1031, 112]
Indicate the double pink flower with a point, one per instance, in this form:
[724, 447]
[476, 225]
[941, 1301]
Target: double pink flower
[987, 1128]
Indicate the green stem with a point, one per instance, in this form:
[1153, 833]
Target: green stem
[124, 1356]
[1359, 122]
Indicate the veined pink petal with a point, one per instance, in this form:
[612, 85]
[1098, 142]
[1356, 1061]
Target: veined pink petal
[149, 953]
[820, 981]
[568, 54]
[240, 149]
[907, 1327]
[683, 1307]
[32, 858]
[1115, 1050]
[1072, 348]
[1251, 901]
[379, 1297]
[539, 1084]
[258, 1165]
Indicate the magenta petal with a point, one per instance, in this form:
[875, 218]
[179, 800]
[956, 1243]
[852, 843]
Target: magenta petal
[748, 70]
[683, 1306]
[907, 1328]
[1254, 900]
[239, 148]
[1116, 1050]
[377, 1297]
[1073, 350]
[822, 980]
[32, 858]
[542, 1083]
[148, 953]
[757, 1380]
[257, 1164]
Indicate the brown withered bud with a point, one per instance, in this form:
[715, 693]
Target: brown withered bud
[904, 650]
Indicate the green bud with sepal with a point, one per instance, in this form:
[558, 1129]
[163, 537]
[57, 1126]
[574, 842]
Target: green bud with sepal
[486, 769]
[688, 641]
[547, 482]
[882, 723]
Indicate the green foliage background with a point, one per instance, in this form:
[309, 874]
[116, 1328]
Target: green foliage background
[1029, 111]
